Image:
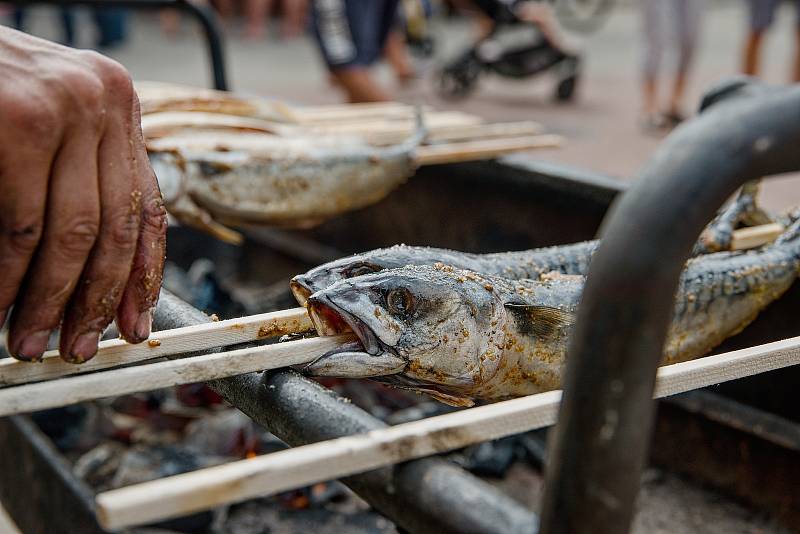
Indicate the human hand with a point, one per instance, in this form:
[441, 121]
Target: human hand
[82, 223]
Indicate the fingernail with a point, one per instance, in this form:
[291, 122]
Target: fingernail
[143, 325]
[32, 347]
[84, 348]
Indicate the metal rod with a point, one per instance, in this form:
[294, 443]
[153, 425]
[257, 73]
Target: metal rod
[202, 13]
[428, 495]
[606, 415]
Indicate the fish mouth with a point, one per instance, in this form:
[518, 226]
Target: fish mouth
[300, 290]
[367, 357]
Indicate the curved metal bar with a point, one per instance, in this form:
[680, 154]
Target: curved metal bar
[203, 13]
[428, 495]
[208, 20]
[607, 411]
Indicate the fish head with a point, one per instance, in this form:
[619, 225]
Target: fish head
[439, 331]
[319, 278]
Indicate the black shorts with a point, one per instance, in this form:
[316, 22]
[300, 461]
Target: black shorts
[352, 33]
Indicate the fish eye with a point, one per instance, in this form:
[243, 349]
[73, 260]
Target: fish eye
[400, 302]
[360, 269]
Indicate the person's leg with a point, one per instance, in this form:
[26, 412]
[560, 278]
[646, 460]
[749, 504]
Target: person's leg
[68, 26]
[342, 29]
[295, 14]
[360, 85]
[541, 15]
[752, 51]
[796, 67]
[396, 54]
[762, 13]
[257, 13]
[651, 32]
[686, 15]
[18, 19]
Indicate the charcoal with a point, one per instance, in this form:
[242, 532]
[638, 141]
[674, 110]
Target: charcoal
[534, 447]
[98, 466]
[491, 458]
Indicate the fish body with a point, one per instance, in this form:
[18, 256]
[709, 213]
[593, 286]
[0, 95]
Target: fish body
[461, 336]
[254, 178]
[572, 259]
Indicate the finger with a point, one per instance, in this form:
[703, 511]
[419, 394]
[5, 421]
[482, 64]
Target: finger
[71, 225]
[24, 173]
[134, 316]
[95, 301]
[23, 192]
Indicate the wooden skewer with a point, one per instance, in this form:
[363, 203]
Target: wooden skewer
[396, 131]
[111, 383]
[755, 236]
[407, 123]
[167, 123]
[344, 112]
[205, 336]
[485, 149]
[237, 481]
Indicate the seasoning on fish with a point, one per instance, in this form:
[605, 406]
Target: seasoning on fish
[441, 331]
[526, 264]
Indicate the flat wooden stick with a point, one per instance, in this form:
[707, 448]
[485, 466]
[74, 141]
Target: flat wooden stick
[302, 466]
[392, 132]
[117, 352]
[343, 112]
[114, 382]
[755, 236]
[485, 149]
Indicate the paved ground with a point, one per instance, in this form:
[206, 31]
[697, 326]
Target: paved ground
[601, 125]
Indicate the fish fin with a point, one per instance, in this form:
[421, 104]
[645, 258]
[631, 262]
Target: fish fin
[187, 212]
[541, 321]
[452, 400]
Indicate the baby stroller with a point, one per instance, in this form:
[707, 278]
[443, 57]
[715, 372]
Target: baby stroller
[513, 49]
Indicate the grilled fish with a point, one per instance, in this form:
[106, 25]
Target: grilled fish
[216, 178]
[461, 336]
[570, 259]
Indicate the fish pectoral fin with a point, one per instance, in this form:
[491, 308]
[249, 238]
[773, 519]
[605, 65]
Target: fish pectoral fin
[452, 400]
[541, 321]
[187, 212]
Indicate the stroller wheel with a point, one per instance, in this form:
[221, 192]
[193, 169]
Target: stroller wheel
[459, 79]
[565, 90]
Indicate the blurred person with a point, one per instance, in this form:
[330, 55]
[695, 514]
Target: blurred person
[257, 13]
[395, 51]
[762, 15]
[19, 16]
[352, 35]
[538, 13]
[675, 25]
[112, 26]
[295, 16]
[82, 223]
